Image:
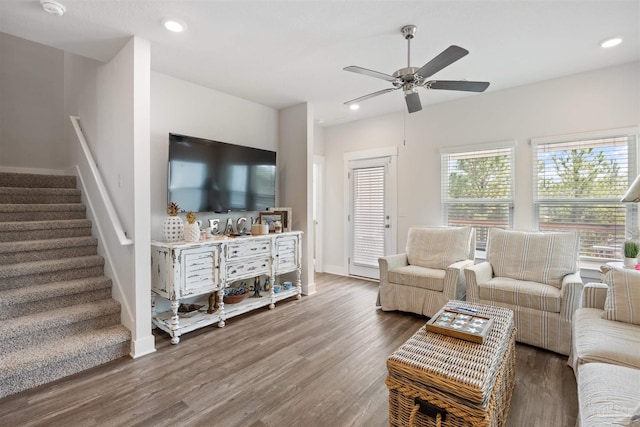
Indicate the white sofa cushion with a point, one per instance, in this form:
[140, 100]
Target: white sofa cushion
[607, 394]
[536, 257]
[521, 293]
[438, 247]
[623, 296]
[418, 277]
[598, 340]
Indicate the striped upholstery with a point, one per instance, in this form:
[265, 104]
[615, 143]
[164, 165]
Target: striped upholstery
[623, 296]
[533, 274]
[405, 286]
[599, 340]
[593, 295]
[437, 247]
[536, 257]
[608, 395]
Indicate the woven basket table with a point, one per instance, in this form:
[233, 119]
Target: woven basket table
[438, 380]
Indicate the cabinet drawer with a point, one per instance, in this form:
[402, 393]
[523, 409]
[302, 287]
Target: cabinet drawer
[247, 268]
[285, 245]
[248, 248]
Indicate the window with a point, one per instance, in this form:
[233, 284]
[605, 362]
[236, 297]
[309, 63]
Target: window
[578, 184]
[477, 189]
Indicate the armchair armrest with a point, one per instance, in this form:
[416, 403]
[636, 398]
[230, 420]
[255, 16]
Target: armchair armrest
[593, 295]
[390, 262]
[454, 280]
[571, 294]
[474, 275]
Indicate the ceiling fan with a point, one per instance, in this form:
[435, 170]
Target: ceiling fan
[409, 79]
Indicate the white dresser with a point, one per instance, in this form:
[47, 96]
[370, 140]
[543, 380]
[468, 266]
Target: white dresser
[199, 272]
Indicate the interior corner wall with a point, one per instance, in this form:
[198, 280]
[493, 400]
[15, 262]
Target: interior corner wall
[31, 106]
[602, 99]
[178, 106]
[295, 172]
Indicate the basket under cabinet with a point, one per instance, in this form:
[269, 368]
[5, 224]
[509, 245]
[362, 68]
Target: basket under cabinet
[200, 271]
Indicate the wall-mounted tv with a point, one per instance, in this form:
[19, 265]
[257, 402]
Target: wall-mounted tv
[213, 176]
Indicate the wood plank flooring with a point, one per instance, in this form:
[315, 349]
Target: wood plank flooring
[319, 361]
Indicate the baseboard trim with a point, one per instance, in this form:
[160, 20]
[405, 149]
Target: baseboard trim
[309, 289]
[143, 346]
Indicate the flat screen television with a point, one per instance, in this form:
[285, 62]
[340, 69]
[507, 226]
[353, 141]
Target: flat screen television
[214, 176]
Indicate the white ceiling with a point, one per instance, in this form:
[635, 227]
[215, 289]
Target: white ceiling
[281, 53]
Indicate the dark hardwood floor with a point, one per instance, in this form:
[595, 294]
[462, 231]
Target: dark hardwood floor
[319, 361]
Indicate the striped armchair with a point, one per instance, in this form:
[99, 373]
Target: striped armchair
[536, 275]
[429, 273]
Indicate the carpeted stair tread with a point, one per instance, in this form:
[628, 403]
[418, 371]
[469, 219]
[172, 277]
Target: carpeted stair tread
[43, 225]
[55, 319]
[41, 245]
[45, 362]
[12, 195]
[68, 288]
[48, 266]
[48, 207]
[41, 212]
[9, 179]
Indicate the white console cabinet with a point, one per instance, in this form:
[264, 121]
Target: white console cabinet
[201, 271]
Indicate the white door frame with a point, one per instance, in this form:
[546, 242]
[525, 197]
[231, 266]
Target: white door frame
[392, 153]
[318, 226]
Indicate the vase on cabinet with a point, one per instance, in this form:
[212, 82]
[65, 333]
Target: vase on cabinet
[192, 232]
[173, 229]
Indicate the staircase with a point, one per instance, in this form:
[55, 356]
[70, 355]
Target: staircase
[57, 316]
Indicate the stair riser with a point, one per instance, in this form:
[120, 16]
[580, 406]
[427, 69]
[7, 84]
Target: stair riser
[56, 276]
[17, 236]
[10, 311]
[41, 199]
[41, 216]
[36, 181]
[19, 380]
[48, 254]
[57, 332]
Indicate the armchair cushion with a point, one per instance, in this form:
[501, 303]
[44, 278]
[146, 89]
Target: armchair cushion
[536, 257]
[436, 247]
[521, 293]
[418, 277]
[623, 296]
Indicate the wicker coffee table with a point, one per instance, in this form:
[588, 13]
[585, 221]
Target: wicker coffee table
[439, 380]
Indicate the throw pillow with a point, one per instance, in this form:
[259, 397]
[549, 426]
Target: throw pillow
[623, 295]
[438, 247]
[543, 257]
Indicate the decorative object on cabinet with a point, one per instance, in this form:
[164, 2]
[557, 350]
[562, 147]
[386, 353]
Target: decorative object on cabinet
[256, 288]
[173, 226]
[200, 272]
[631, 250]
[270, 218]
[235, 295]
[192, 228]
[188, 310]
[286, 217]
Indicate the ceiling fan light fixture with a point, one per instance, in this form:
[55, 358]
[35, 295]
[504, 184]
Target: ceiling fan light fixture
[173, 25]
[611, 42]
[53, 7]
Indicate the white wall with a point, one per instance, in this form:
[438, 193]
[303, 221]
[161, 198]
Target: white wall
[295, 175]
[178, 106]
[602, 99]
[31, 106]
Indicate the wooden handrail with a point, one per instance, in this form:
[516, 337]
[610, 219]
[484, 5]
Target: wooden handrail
[104, 195]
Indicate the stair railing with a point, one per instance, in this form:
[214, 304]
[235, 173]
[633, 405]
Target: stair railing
[104, 195]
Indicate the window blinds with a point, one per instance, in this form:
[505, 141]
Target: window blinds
[477, 189]
[368, 215]
[578, 186]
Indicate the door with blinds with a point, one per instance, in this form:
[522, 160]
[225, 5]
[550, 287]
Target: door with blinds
[369, 217]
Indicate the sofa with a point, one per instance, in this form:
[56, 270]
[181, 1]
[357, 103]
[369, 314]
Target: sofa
[429, 273]
[536, 275]
[605, 350]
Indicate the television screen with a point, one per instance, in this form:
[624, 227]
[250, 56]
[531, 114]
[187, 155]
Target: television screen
[213, 176]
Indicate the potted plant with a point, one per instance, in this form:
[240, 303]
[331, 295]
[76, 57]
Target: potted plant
[631, 250]
[173, 227]
[192, 228]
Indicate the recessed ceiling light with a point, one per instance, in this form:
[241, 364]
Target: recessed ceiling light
[173, 25]
[354, 107]
[53, 7]
[614, 41]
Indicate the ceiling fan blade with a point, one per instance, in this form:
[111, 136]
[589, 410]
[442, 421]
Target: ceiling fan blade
[370, 73]
[371, 95]
[444, 59]
[457, 85]
[413, 102]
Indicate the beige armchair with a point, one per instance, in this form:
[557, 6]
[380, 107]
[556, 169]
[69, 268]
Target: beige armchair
[536, 275]
[429, 273]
